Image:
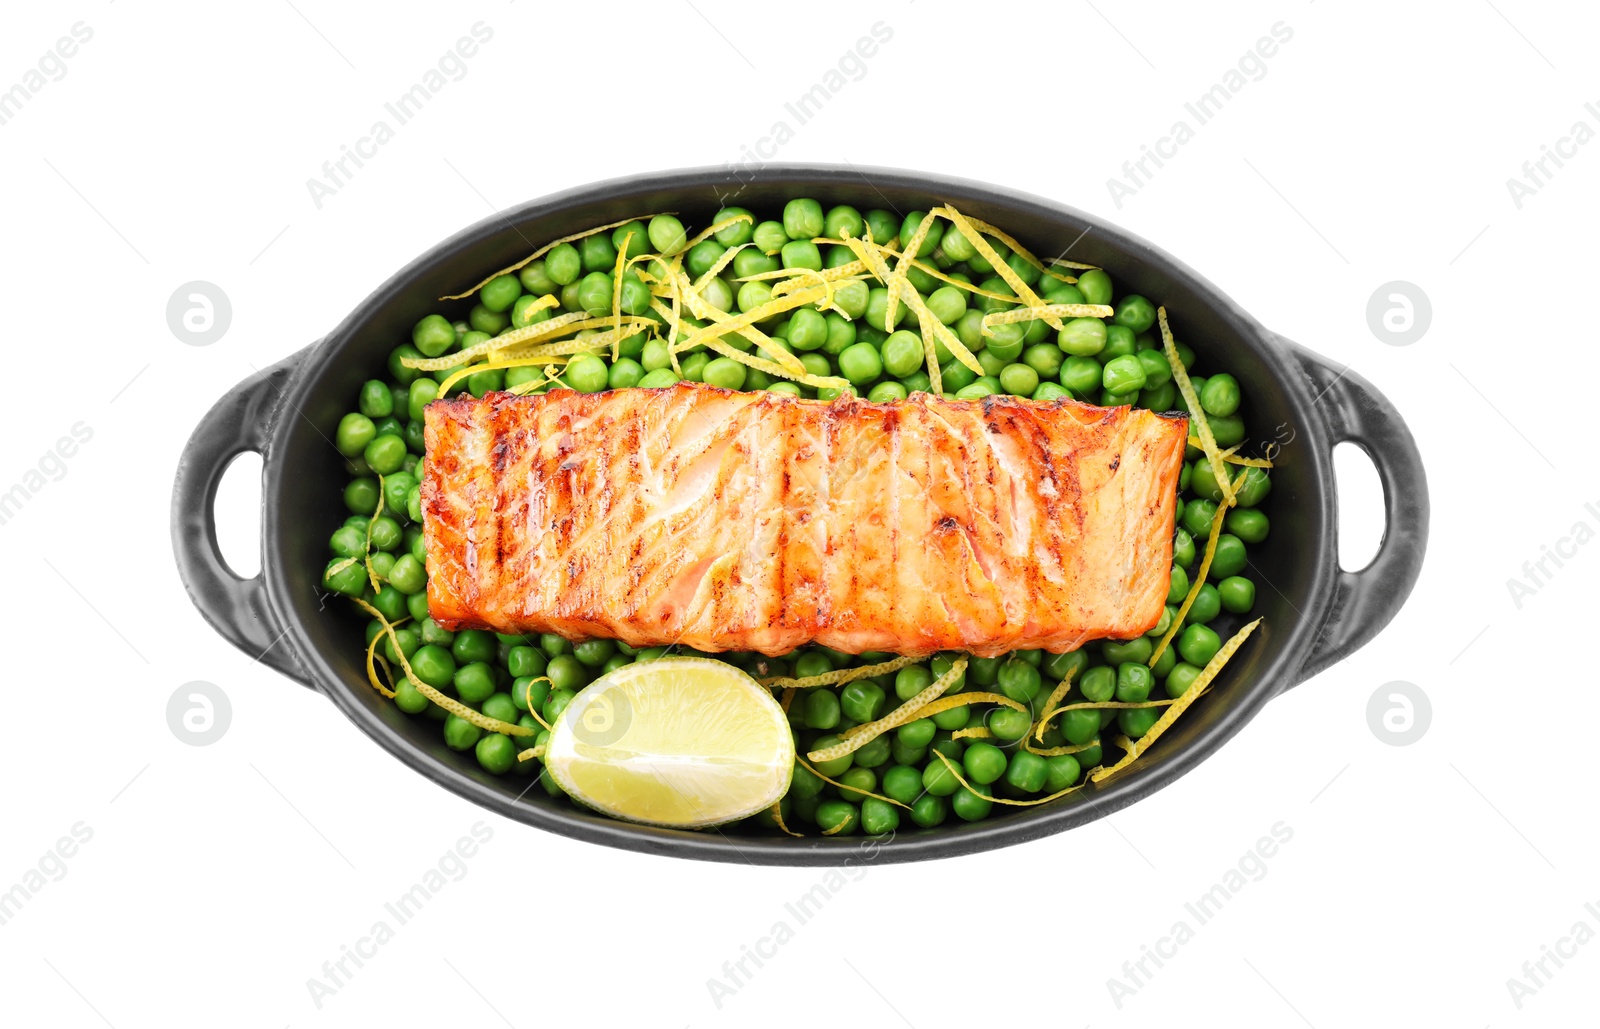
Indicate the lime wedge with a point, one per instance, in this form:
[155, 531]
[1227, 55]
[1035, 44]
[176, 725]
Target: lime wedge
[685, 742]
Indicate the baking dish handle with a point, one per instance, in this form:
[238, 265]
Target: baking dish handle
[241, 422]
[1366, 600]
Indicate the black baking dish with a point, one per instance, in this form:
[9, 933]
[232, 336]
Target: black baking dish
[1315, 613]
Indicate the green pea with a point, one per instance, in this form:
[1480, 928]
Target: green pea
[1080, 374]
[1178, 586]
[500, 292]
[1134, 681]
[1082, 337]
[1257, 484]
[530, 692]
[887, 392]
[1135, 722]
[1228, 431]
[1183, 549]
[1019, 680]
[1162, 398]
[563, 264]
[1123, 375]
[808, 329]
[408, 698]
[803, 783]
[1221, 395]
[1249, 525]
[484, 320]
[1181, 678]
[1098, 684]
[501, 706]
[496, 753]
[382, 564]
[972, 804]
[842, 222]
[1121, 341]
[860, 363]
[1061, 771]
[624, 373]
[737, 233]
[930, 242]
[948, 304]
[587, 373]
[1198, 644]
[433, 335]
[433, 665]
[1197, 516]
[1044, 358]
[725, 373]
[929, 810]
[1007, 724]
[983, 763]
[1135, 312]
[770, 237]
[350, 580]
[460, 734]
[1207, 606]
[878, 817]
[354, 433]
[753, 295]
[1230, 558]
[594, 653]
[872, 753]
[1238, 594]
[598, 252]
[902, 353]
[820, 709]
[852, 298]
[536, 279]
[902, 783]
[1118, 652]
[1079, 726]
[556, 703]
[1019, 380]
[938, 779]
[802, 218]
[862, 700]
[801, 253]
[594, 293]
[408, 575]
[423, 392]
[377, 401]
[1095, 285]
[474, 683]
[397, 369]
[1027, 771]
[566, 673]
[835, 768]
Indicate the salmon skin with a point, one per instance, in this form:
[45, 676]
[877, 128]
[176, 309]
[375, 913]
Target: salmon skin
[724, 520]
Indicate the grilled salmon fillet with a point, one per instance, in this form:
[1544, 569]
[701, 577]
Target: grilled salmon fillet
[726, 520]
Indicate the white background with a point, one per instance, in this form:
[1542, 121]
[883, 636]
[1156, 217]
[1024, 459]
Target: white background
[1377, 147]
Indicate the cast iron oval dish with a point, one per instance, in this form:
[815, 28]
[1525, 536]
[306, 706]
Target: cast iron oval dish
[1315, 613]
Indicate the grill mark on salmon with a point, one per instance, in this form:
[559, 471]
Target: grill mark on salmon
[757, 521]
